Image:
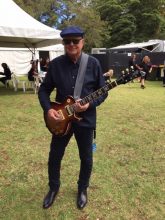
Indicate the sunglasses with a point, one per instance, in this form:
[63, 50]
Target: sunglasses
[69, 41]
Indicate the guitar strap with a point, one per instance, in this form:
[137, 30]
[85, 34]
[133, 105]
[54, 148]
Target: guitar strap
[80, 76]
[78, 87]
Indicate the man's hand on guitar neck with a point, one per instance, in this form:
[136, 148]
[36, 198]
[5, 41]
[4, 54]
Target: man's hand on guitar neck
[55, 115]
[80, 108]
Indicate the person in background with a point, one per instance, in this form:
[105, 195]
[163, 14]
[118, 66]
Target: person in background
[133, 64]
[108, 75]
[62, 74]
[45, 64]
[33, 70]
[6, 73]
[164, 75]
[145, 69]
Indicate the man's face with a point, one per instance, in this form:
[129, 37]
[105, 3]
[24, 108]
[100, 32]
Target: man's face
[73, 45]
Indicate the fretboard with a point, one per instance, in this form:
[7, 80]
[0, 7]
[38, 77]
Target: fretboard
[125, 78]
[95, 95]
[98, 93]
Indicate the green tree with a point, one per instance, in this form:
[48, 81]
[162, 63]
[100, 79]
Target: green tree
[107, 23]
[123, 31]
[147, 14]
[83, 15]
[162, 20]
[132, 20]
[40, 9]
[121, 23]
[69, 12]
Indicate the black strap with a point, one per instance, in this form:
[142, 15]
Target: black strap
[80, 76]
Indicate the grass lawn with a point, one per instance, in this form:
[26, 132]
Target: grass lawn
[128, 179]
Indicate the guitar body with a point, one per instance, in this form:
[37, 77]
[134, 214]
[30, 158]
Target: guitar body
[62, 127]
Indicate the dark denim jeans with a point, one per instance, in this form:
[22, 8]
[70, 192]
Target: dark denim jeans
[84, 138]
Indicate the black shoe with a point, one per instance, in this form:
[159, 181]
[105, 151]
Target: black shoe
[49, 199]
[81, 199]
[142, 86]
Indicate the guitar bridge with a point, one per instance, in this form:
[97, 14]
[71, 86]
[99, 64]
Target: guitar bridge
[61, 114]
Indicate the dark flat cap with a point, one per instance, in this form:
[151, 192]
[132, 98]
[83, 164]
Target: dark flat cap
[72, 31]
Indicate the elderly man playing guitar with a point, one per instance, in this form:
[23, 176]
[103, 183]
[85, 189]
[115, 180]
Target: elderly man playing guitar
[68, 115]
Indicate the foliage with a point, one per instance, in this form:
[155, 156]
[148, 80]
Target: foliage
[107, 23]
[131, 20]
[85, 16]
[147, 19]
[125, 28]
[162, 33]
[62, 13]
[42, 10]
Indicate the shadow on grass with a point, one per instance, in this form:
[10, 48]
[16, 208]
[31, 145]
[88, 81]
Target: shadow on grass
[10, 91]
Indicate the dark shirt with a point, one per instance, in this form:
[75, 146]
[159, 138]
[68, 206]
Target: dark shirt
[7, 73]
[31, 74]
[44, 68]
[133, 63]
[62, 75]
[146, 67]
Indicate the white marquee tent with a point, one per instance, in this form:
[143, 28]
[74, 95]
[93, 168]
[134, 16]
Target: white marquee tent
[19, 31]
[150, 46]
[19, 59]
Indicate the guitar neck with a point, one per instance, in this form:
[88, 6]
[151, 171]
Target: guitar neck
[98, 93]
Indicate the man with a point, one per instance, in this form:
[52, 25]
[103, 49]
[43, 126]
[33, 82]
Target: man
[62, 74]
[145, 69]
[164, 75]
[133, 64]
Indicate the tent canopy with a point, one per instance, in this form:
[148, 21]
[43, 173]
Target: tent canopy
[19, 29]
[150, 46]
[21, 36]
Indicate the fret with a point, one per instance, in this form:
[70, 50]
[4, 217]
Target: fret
[82, 101]
[110, 86]
[89, 98]
[106, 88]
[100, 92]
[103, 90]
[86, 99]
[97, 94]
[94, 95]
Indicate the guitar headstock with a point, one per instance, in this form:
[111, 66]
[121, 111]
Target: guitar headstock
[127, 76]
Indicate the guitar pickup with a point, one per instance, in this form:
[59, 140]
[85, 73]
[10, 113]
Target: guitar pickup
[69, 110]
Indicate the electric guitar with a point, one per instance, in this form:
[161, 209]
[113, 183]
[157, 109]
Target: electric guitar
[66, 109]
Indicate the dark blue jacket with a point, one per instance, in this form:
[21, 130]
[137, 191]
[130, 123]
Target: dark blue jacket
[62, 75]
